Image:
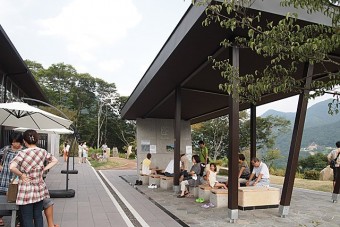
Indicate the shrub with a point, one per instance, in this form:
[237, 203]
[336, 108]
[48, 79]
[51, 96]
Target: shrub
[218, 162]
[299, 175]
[94, 151]
[311, 174]
[221, 162]
[122, 155]
[277, 172]
[132, 156]
[223, 172]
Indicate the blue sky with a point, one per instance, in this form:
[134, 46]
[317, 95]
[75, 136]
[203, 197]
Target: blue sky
[111, 39]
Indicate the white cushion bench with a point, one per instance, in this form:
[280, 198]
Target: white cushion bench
[258, 197]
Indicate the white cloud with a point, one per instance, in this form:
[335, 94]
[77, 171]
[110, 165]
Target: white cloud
[86, 25]
[111, 65]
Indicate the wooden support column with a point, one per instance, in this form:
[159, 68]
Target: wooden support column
[178, 117]
[295, 144]
[234, 143]
[252, 133]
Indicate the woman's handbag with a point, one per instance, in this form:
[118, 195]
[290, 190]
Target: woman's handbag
[12, 191]
[333, 162]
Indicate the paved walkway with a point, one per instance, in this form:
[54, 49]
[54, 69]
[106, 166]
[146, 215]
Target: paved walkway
[109, 198]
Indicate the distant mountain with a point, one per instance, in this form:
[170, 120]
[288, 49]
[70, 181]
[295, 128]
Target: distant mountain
[317, 115]
[320, 127]
[288, 115]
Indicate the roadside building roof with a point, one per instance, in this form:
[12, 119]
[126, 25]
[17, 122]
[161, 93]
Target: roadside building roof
[12, 65]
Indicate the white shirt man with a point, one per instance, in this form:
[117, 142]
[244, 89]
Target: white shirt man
[261, 172]
[169, 170]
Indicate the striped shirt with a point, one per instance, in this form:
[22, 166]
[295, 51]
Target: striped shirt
[31, 162]
[6, 175]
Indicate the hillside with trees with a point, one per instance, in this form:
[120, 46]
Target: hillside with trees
[91, 103]
[320, 127]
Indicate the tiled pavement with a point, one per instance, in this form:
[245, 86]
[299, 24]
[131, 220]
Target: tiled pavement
[125, 205]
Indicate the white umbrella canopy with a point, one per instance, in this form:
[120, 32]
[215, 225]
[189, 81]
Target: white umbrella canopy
[20, 114]
[47, 131]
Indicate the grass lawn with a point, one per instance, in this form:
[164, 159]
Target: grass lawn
[109, 164]
[325, 186]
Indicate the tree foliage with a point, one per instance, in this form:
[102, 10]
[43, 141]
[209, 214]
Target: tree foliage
[91, 103]
[215, 133]
[271, 156]
[316, 162]
[286, 43]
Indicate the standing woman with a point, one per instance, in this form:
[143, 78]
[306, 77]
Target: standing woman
[8, 153]
[85, 152]
[28, 165]
[66, 151]
[80, 152]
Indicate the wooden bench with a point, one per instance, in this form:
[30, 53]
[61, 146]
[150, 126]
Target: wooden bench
[8, 209]
[204, 192]
[159, 171]
[144, 178]
[219, 197]
[167, 182]
[258, 197]
[155, 179]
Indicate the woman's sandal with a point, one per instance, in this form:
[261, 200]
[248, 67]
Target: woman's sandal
[181, 196]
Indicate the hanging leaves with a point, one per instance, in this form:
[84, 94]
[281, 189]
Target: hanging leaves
[280, 42]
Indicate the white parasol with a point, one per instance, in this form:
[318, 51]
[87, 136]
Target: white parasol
[20, 114]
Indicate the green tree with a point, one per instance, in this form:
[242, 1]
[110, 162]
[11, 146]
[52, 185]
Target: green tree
[271, 156]
[215, 133]
[286, 43]
[314, 162]
[91, 103]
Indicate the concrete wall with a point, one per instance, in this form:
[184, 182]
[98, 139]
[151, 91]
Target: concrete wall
[159, 133]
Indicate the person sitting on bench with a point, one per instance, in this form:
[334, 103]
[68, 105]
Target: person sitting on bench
[261, 172]
[211, 177]
[146, 165]
[194, 176]
[169, 170]
[244, 170]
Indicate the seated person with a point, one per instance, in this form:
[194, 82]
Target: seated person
[194, 176]
[146, 165]
[244, 170]
[184, 167]
[211, 177]
[184, 163]
[261, 172]
[169, 170]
